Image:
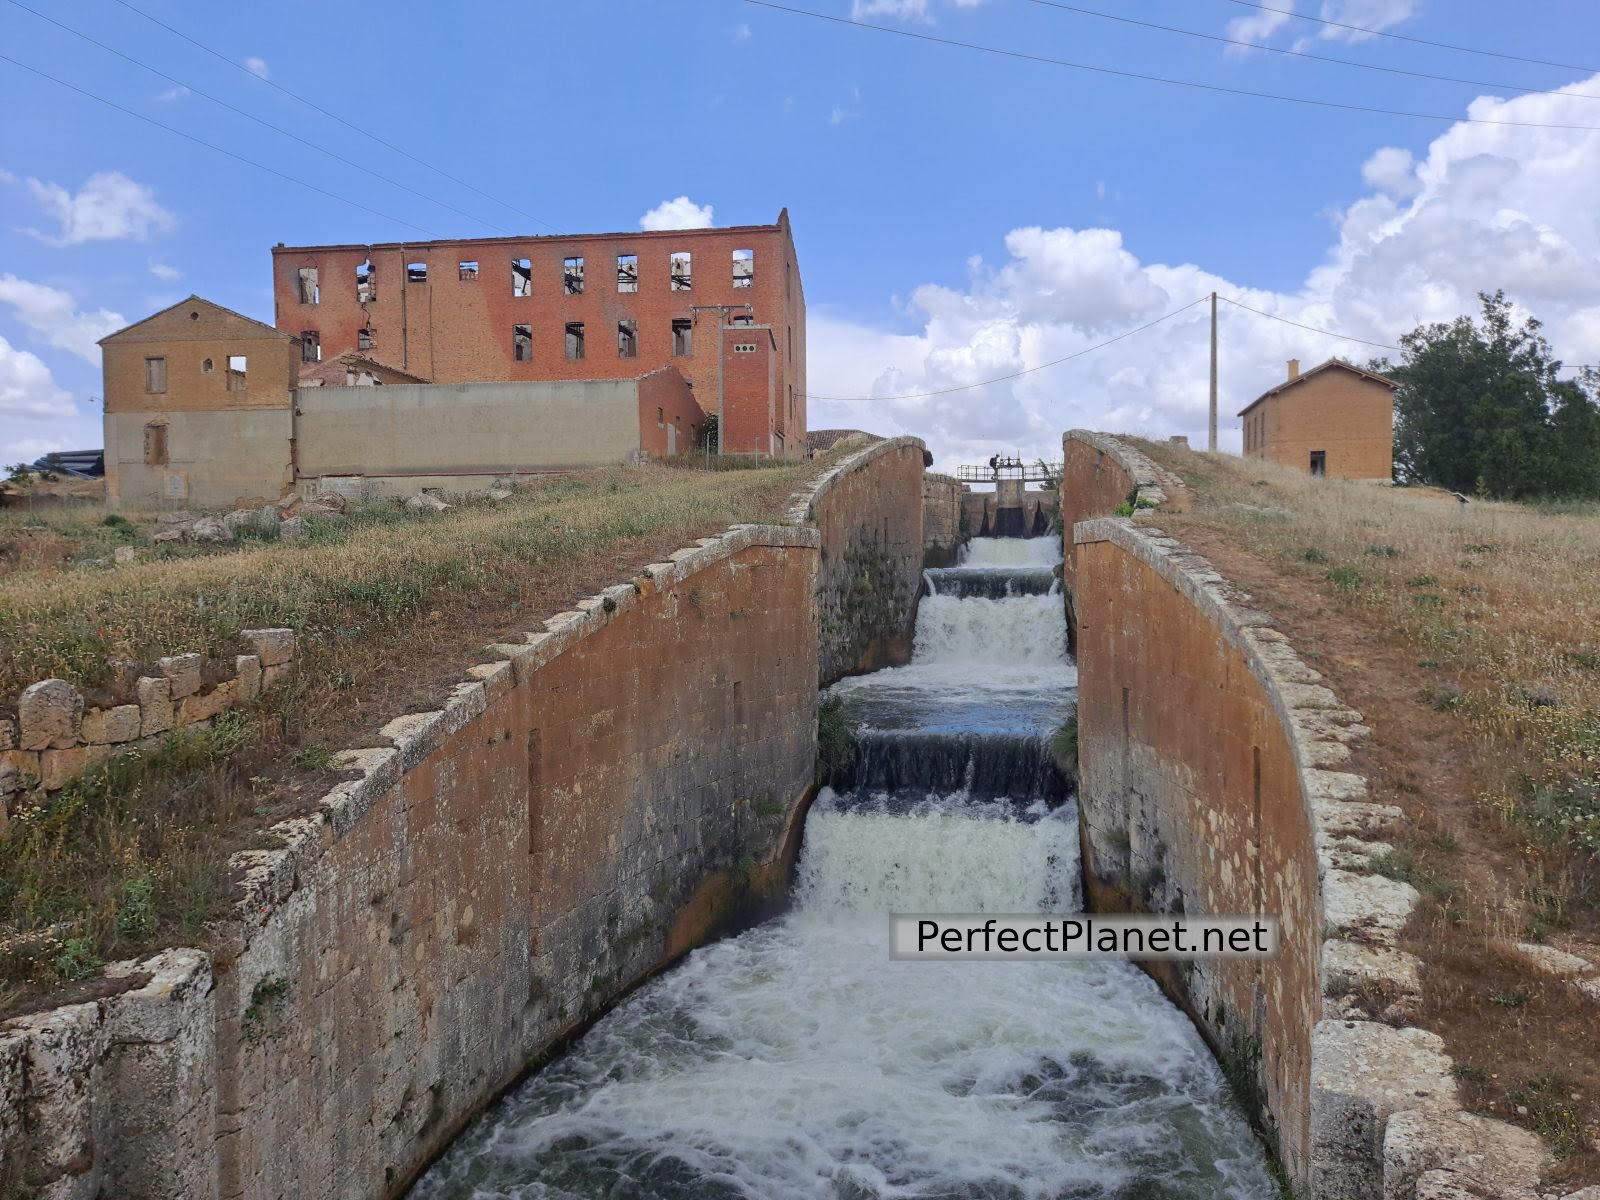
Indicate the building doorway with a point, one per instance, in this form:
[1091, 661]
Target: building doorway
[1319, 462]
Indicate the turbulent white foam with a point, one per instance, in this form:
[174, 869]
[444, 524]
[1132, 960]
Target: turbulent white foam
[795, 1062]
[1011, 552]
[1016, 632]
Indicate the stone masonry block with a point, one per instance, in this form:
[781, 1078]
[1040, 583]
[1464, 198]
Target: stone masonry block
[106, 725]
[8, 734]
[204, 705]
[155, 706]
[182, 673]
[50, 713]
[247, 675]
[274, 646]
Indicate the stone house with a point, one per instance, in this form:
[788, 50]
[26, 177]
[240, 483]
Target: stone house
[1335, 420]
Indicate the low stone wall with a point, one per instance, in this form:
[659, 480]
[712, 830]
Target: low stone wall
[581, 810]
[941, 520]
[869, 511]
[55, 735]
[1209, 757]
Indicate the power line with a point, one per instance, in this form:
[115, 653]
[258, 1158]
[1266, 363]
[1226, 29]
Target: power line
[1186, 83]
[334, 116]
[1401, 37]
[1333, 333]
[1327, 58]
[967, 387]
[72, 87]
[252, 117]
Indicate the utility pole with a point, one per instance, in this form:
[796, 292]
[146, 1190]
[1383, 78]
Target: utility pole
[722, 310]
[1211, 431]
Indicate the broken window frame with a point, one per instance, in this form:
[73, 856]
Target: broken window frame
[310, 293]
[417, 272]
[155, 375]
[572, 276]
[744, 268]
[741, 319]
[522, 343]
[680, 265]
[628, 338]
[310, 346]
[366, 282]
[575, 341]
[238, 376]
[627, 274]
[521, 278]
[365, 338]
[467, 270]
[682, 337]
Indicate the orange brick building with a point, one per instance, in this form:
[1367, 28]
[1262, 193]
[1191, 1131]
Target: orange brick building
[1335, 420]
[589, 306]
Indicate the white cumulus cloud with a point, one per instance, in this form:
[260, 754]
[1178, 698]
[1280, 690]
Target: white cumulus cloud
[27, 388]
[681, 213]
[1259, 25]
[165, 273]
[256, 66]
[1374, 15]
[1483, 207]
[54, 317]
[108, 207]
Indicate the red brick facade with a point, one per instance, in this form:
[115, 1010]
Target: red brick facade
[453, 324]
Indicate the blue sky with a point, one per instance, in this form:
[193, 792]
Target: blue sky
[960, 216]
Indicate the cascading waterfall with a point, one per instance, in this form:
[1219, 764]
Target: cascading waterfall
[797, 1062]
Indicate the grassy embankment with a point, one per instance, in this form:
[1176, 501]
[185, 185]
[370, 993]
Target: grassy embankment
[1469, 636]
[388, 606]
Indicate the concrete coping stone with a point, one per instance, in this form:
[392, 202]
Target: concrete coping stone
[802, 503]
[1362, 1072]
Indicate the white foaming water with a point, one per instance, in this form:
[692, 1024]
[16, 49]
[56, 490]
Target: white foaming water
[1011, 552]
[796, 1062]
[1016, 632]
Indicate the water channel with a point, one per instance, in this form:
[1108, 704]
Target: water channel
[796, 1061]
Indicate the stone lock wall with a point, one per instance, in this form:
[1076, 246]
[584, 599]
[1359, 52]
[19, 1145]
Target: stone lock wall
[869, 512]
[1210, 758]
[56, 735]
[941, 520]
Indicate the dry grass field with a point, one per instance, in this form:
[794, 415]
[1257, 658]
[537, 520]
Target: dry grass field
[1469, 636]
[387, 605]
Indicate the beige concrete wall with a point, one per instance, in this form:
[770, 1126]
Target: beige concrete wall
[466, 429]
[215, 458]
[1348, 417]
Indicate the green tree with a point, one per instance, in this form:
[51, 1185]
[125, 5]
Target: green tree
[1481, 408]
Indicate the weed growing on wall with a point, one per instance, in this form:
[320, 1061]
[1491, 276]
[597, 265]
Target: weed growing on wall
[836, 741]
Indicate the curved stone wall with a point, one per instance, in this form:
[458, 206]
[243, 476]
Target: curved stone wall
[869, 512]
[1211, 783]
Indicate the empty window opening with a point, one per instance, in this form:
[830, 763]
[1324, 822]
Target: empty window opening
[363, 339]
[743, 319]
[416, 272]
[572, 276]
[744, 268]
[682, 263]
[155, 374]
[309, 293]
[238, 372]
[310, 346]
[682, 338]
[791, 343]
[521, 277]
[661, 416]
[467, 269]
[574, 339]
[207, 366]
[1319, 462]
[522, 343]
[627, 272]
[155, 445]
[366, 283]
[627, 339]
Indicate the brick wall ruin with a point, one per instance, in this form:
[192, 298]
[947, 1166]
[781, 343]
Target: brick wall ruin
[1210, 758]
